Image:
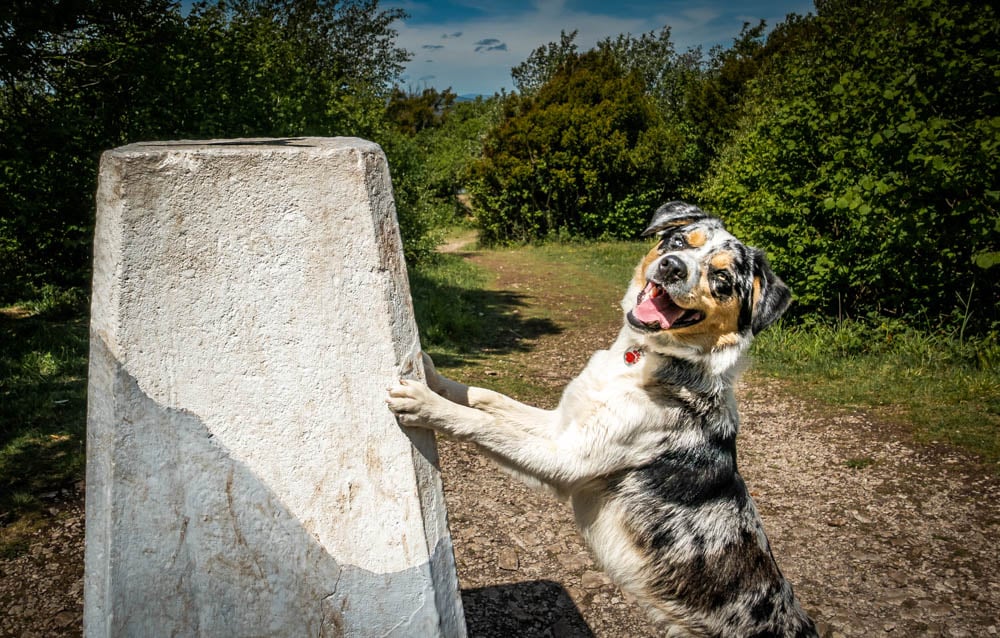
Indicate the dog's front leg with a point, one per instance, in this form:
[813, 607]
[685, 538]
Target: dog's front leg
[416, 405]
[526, 417]
[538, 451]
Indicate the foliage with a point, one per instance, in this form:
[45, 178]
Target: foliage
[43, 368]
[84, 76]
[585, 156]
[670, 79]
[867, 162]
[711, 105]
[430, 162]
[51, 128]
[542, 64]
[653, 57]
[411, 113]
[690, 111]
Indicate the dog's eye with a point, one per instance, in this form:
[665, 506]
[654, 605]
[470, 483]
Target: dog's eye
[722, 283]
[676, 242]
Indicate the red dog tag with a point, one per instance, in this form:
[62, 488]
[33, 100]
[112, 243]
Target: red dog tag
[632, 356]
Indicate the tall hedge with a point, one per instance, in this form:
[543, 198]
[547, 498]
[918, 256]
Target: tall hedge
[868, 161]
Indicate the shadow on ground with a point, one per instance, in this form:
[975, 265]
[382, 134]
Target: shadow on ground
[533, 609]
[471, 324]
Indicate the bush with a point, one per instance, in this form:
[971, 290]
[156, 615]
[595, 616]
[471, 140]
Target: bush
[867, 162]
[585, 156]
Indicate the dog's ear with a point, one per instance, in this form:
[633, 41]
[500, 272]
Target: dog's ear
[771, 296]
[672, 215]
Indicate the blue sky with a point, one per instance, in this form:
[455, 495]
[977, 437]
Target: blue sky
[471, 45]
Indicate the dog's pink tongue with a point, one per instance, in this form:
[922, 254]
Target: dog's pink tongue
[660, 309]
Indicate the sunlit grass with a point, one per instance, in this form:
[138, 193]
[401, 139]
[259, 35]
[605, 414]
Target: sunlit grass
[944, 388]
[43, 368]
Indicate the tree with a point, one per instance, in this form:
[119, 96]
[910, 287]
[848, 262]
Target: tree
[411, 113]
[81, 76]
[542, 64]
[585, 156]
[867, 161]
[439, 139]
[56, 56]
[665, 73]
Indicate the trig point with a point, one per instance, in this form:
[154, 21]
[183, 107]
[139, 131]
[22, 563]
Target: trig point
[244, 475]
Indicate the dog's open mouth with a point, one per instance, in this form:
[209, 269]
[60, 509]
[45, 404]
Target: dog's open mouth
[655, 310]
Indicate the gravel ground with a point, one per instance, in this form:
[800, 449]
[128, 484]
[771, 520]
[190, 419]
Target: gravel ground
[905, 545]
[880, 536]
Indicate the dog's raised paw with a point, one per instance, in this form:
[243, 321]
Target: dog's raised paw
[408, 399]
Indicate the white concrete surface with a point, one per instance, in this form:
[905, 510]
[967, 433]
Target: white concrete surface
[245, 477]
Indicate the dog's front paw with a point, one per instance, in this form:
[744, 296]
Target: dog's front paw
[410, 401]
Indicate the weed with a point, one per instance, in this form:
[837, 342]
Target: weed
[859, 463]
[43, 364]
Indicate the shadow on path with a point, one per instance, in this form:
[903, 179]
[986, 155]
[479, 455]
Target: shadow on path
[475, 323]
[532, 609]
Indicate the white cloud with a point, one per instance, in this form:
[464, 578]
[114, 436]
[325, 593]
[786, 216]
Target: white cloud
[504, 42]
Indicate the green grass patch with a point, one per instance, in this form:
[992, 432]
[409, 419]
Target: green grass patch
[446, 293]
[943, 387]
[947, 389]
[462, 319]
[612, 261]
[43, 394]
[859, 463]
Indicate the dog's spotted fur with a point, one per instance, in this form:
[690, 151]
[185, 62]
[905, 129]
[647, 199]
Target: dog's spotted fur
[646, 453]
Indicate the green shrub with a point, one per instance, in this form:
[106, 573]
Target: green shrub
[586, 155]
[867, 163]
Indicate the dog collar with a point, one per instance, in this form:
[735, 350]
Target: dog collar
[632, 356]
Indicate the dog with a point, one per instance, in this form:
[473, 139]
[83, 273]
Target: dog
[643, 441]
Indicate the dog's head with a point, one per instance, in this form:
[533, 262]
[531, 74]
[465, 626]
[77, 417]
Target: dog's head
[701, 289]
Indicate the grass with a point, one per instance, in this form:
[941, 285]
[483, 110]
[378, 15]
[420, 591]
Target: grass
[945, 389]
[462, 319]
[43, 368]
[859, 463]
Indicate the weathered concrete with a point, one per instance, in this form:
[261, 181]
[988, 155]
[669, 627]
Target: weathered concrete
[244, 476]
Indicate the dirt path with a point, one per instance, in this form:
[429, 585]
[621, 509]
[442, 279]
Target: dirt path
[881, 537]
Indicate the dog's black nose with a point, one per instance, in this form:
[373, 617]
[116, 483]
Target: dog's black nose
[672, 269]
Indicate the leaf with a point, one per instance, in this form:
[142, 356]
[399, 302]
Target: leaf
[986, 260]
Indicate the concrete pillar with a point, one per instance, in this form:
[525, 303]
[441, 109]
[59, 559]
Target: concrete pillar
[244, 475]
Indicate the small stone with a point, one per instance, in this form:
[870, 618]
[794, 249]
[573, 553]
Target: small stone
[508, 559]
[593, 580]
[938, 610]
[573, 562]
[860, 517]
[64, 619]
